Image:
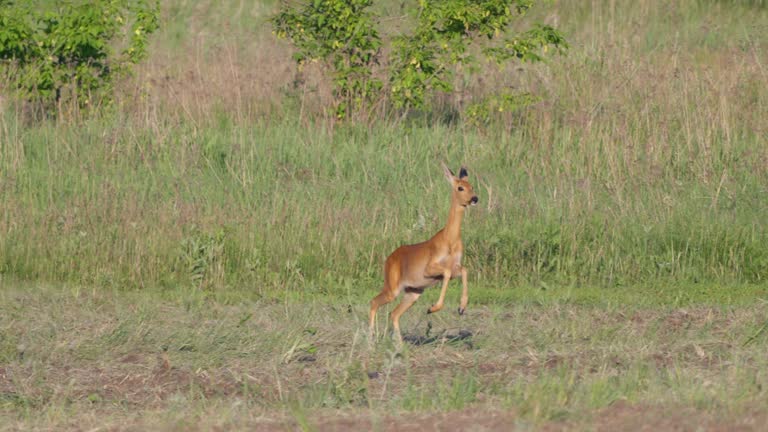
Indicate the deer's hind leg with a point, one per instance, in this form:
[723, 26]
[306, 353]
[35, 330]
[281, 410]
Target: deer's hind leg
[383, 298]
[409, 298]
[388, 293]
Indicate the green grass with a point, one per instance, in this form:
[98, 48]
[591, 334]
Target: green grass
[202, 254]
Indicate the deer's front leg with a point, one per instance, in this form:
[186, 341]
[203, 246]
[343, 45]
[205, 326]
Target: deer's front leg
[464, 292]
[439, 305]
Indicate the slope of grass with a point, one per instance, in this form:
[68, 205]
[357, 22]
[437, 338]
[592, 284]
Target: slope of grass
[644, 163]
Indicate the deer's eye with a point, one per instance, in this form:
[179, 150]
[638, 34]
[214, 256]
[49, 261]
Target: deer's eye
[461, 189]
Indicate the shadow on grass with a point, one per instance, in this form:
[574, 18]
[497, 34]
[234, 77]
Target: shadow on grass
[451, 337]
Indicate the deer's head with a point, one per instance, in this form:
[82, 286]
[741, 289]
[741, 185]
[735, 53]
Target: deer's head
[462, 190]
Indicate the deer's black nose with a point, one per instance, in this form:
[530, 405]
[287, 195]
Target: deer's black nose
[474, 200]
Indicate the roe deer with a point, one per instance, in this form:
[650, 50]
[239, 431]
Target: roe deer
[411, 268]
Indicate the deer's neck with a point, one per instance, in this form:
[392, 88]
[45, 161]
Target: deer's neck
[452, 230]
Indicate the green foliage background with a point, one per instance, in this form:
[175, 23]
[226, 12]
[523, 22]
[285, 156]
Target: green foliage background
[69, 53]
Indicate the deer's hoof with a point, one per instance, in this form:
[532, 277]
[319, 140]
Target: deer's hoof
[429, 311]
[462, 310]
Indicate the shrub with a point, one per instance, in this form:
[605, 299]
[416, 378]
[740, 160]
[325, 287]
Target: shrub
[71, 54]
[444, 35]
[342, 34]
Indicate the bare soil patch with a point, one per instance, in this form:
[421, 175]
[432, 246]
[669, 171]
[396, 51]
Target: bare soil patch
[621, 416]
[465, 420]
[638, 417]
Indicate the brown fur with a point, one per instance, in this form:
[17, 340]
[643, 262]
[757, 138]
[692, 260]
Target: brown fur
[411, 268]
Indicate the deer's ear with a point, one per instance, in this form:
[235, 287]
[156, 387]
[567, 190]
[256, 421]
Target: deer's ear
[463, 173]
[448, 173]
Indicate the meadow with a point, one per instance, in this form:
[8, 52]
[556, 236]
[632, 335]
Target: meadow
[202, 254]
